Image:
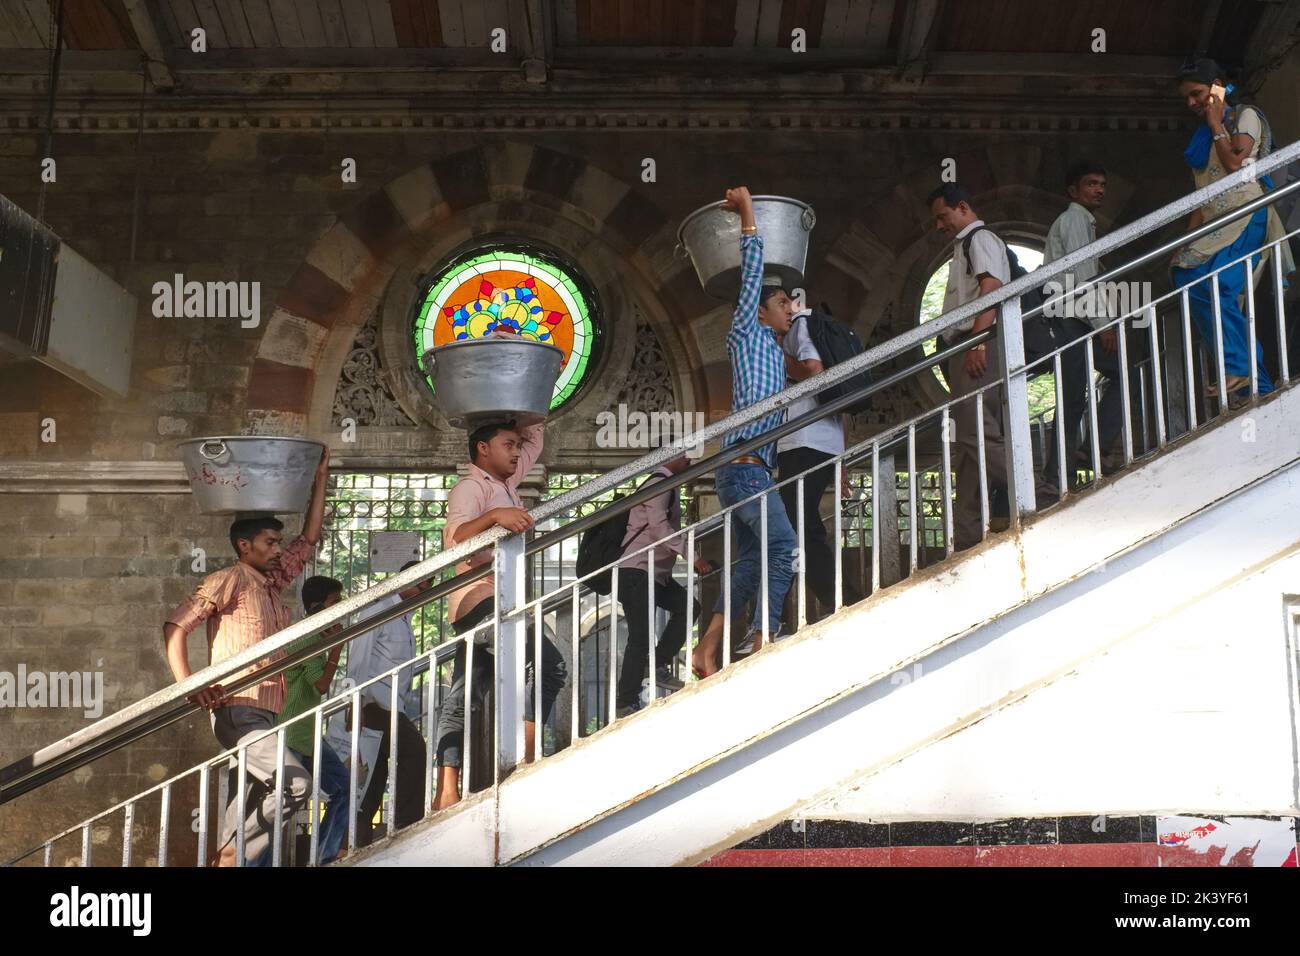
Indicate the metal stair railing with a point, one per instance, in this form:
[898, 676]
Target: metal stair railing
[513, 607]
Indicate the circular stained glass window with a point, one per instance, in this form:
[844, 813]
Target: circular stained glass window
[531, 292]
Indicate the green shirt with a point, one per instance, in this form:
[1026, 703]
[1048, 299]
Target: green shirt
[300, 695]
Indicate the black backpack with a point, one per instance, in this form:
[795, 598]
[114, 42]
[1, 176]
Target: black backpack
[1041, 334]
[601, 545]
[836, 342]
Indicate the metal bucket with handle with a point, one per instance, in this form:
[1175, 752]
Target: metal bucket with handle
[494, 379]
[711, 237]
[233, 473]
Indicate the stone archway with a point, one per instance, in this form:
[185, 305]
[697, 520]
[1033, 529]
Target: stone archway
[529, 190]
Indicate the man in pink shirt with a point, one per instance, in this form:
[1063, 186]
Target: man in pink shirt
[242, 607]
[500, 456]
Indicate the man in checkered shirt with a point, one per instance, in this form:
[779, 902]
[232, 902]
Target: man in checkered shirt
[763, 311]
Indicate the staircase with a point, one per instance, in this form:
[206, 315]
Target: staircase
[723, 760]
[1197, 535]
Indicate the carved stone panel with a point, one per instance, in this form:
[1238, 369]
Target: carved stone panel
[363, 393]
[649, 384]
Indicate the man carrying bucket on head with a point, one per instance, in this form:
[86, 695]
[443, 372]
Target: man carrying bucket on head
[242, 607]
[763, 312]
[500, 455]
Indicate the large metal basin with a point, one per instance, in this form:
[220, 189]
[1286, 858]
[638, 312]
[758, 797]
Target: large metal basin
[494, 378]
[234, 473]
[711, 237]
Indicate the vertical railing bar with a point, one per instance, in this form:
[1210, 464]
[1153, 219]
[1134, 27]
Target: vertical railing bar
[1062, 476]
[859, 508]
[1250, 328]
[650, 625]
[726, 588]
[983, 464]
[1220, 366]
[204, 784]
[611, 701]
[128, 829]
[241, 798]
[278, 838]
[1283, 360]
[85, 845]
[1189, 370]
[762, 566]
[1142, 407]
[575, 651]
[390, 812]
[538, 730]
[1157, 377]
[47, 858]
[875, 517]
[945, 439]
[801, 598]
[467, 736]
[1090, 376]
[317, 721]
[354, 764]
[1125, 393]
[911, 491]
[435, 703]
[164, 821]
[692, 619]
[838, 479]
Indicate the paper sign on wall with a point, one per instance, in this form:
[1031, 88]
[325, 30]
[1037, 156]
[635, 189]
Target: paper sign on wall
[389, 550]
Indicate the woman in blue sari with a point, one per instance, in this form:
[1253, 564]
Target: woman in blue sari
[1230, 136]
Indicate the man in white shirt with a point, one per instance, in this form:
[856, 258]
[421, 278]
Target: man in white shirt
[987, 270]
[1072, 230]
[373, 653]
[814, 444]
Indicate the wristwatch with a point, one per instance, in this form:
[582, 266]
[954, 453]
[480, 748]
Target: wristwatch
[1222, 135]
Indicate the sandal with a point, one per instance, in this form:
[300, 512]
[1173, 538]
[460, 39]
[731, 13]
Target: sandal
[1234, 383]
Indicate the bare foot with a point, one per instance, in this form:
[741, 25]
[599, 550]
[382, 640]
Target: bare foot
[448, 792]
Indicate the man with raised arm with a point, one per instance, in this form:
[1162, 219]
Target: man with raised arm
[500, 455]
[763, 312]
[242, 607]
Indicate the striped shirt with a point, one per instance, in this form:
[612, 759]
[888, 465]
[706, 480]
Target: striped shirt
[757, 362]
[242, 607]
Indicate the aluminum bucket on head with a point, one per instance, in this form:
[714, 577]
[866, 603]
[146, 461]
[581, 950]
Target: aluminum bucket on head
[248, 473]
[711, 237]
[494, 379]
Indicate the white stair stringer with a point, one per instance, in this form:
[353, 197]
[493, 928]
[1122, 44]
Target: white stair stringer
[715, 763]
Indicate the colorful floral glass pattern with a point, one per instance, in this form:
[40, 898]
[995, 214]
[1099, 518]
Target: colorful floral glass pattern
[531, 296]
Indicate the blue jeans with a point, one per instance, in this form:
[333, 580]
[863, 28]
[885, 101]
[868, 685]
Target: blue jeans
[334, 790]
[1232, 287]
[735, 483]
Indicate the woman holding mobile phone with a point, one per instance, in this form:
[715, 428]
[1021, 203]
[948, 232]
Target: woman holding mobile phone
[1231, 136]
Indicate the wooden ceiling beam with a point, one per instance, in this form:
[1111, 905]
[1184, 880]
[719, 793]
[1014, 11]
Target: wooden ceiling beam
[531, 25]
[147, 33]
[916, 39]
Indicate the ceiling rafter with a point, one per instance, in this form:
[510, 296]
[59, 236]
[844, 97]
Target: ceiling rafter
[147, 32]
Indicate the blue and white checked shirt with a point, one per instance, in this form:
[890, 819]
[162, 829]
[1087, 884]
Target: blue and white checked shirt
[757, 362]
